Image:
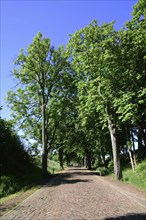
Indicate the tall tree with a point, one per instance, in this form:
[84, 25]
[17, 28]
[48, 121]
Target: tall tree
[38, 71]
[131, 103]
[94, 52]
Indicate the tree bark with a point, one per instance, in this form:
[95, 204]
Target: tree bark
[61, 157]
[134, 156]
[140, 148]
[44, 144]
[88, 159]
[144, 137]
[131, 160]
[116, 156]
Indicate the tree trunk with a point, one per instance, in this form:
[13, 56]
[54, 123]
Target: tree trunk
[102, 157]
[85, 161]
[61, 157]
[140, 148]
[129, 145]
[134, 156]
[144, 137]
[44, 144]
[131, 160]
[116, 158]
[88, 159]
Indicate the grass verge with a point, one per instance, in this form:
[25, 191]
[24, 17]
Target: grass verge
[22, 181]
[14, 189]
[136, 178]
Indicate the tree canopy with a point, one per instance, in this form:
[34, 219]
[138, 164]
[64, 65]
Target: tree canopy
[88, 100]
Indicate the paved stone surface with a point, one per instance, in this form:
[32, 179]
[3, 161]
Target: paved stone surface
[79, 194]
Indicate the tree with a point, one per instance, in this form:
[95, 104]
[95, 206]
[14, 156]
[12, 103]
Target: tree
[131, 103]
[94, 52]
[39, 71]
[14, 157]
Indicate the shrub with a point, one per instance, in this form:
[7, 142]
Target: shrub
[102, 171]
[110, 166]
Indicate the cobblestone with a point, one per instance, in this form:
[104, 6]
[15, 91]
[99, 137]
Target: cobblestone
[80, 194]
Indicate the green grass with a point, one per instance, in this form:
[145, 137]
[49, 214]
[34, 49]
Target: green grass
[18, 194]
[10, 184]
[18, 181]
[53, 166]
[136, 178]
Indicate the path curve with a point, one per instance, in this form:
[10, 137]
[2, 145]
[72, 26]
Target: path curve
[79, 194]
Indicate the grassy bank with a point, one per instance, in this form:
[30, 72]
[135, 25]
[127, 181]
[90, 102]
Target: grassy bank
[136, 178]
[26, 179]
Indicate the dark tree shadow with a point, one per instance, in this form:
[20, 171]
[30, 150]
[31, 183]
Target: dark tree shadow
[132, 216]
[69, 181]
[67, 178]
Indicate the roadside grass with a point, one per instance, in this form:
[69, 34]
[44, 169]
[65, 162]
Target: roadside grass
[16, 182]
[28, 179]
[20, 194]
[53, 166]
[136, 178]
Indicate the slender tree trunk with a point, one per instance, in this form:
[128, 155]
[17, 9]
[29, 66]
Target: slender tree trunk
[131, 160]
[129, 145]
[44, 144]
[85, 161]
[144, 137]
[88, 159]
[102, 157]
[61, 157]
[140, 148]
[116, 156]
[134, 156]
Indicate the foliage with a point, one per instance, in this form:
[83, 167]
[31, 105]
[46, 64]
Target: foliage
[102, 171]
[14, 157]
[39, 71]
[18, 170]
[87, 101]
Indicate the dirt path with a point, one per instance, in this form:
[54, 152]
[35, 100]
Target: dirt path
[79, 194]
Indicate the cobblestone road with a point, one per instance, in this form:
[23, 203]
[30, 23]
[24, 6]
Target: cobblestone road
[79, 194]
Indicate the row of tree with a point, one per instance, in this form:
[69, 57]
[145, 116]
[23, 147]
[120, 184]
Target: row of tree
[88, 99]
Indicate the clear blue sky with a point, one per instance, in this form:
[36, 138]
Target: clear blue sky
[22, 20]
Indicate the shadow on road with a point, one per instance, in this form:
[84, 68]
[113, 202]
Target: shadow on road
[63, 178]
[129, 217]
[70, 177]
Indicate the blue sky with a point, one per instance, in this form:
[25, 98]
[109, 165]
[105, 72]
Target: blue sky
[21, 20]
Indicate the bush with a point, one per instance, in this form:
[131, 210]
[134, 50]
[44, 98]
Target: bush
[110, 166]
[14, 158]
[18, 169]
[7, 185]
[102, 171]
